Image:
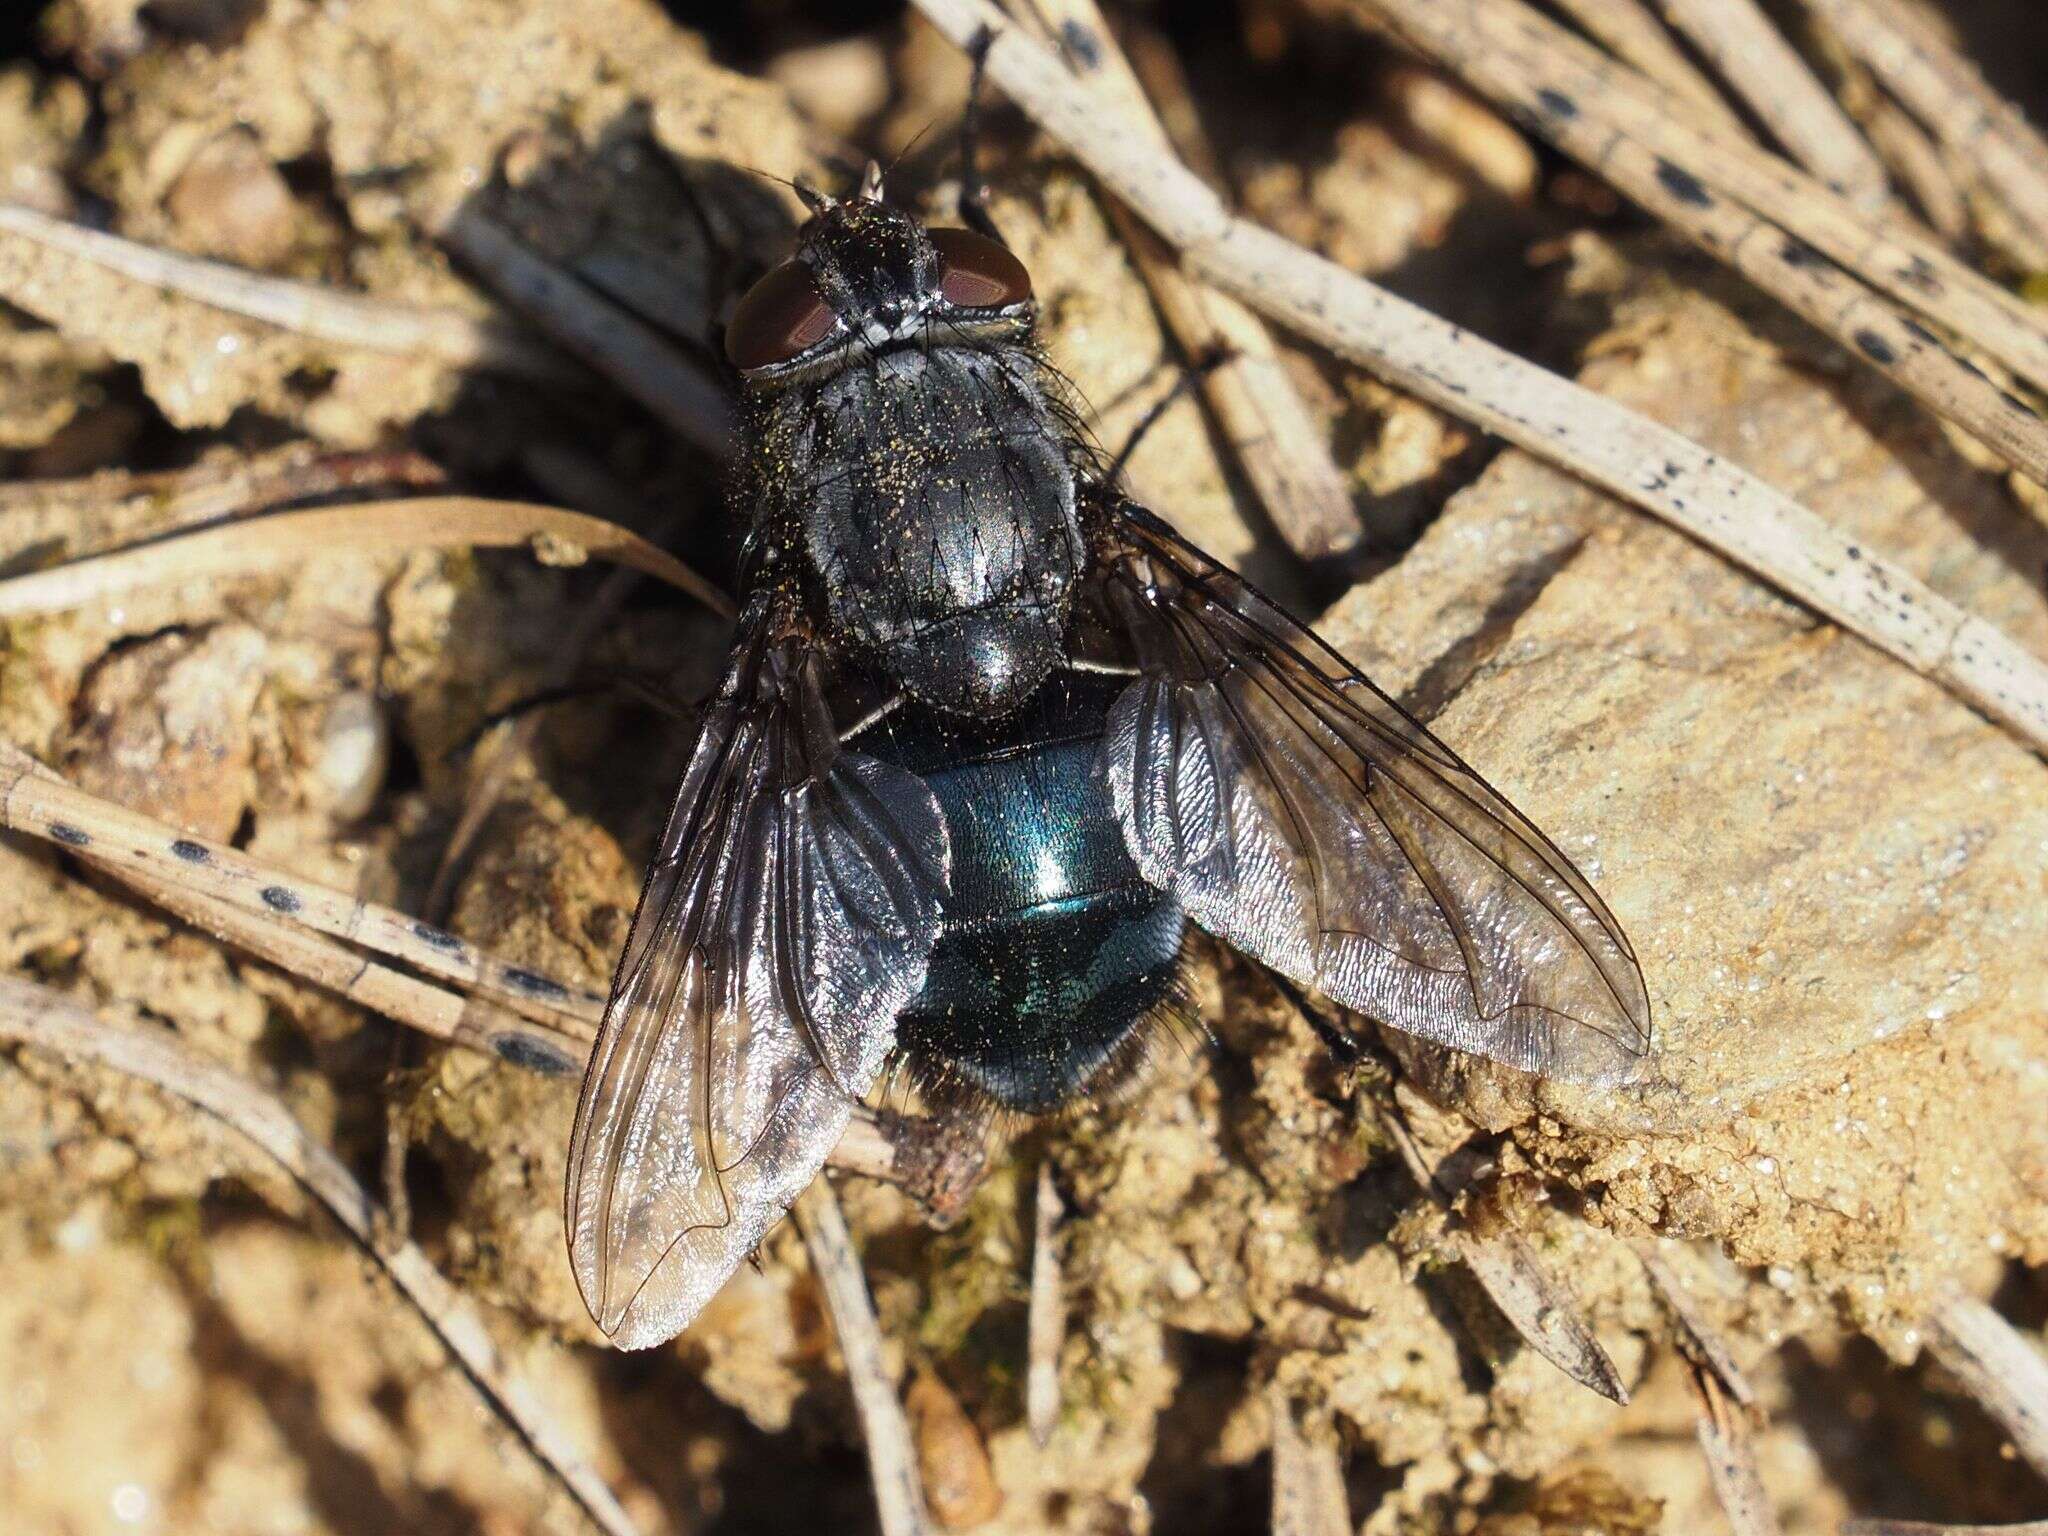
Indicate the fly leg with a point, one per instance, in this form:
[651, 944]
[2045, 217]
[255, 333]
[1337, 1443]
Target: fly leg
[1200, 369]
[973, 190]
[1339, 1041]
[938, 1160]
[627, 686]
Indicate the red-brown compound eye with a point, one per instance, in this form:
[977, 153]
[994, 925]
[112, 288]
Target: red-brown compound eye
[977, 273]
[781, 315]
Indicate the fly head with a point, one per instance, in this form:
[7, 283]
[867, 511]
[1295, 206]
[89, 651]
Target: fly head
[906, 441]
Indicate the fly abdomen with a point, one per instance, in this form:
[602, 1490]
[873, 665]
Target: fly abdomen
[1053, 949]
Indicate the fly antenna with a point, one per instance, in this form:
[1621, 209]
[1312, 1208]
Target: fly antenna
[812, 198]
[904, 153]
[871, 183]
[780, 181]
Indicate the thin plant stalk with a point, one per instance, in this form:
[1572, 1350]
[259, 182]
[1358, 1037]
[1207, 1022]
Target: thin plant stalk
[892, 1455]
[1754, 57]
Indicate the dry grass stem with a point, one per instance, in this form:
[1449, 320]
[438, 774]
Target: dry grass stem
[1868, 325]
[892, 1455]
[426, 522]
[1045, 1321]
[1918, 166]
[1308, 1476]
[35, 1016]
[891, 1149]
[1445, 115]
[1948, 94]
[307, 309]
[1636, 37]
[437, 1011]
[674, 389]
[2002, 1369]
[37, 802]
[1512, 53]
[1767, 72]
[444, 1014]
[1537, 1304]
[1280, 447]
[1863, 321]
[1697, 1340]
[1730, 1448]
[1655, 468]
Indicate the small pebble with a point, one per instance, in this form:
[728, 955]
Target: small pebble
[231, 202]
[355, 753]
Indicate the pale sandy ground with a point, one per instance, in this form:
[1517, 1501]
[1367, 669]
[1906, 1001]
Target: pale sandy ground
[1833, 871]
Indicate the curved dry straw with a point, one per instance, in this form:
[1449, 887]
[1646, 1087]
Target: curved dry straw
[427, 522]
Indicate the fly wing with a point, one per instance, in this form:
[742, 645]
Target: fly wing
[1297, 812]
[786, 920]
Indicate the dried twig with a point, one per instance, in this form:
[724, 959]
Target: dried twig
[1948, 94]
[1876, 329]
[1647, 464]
[1635, 37]
[1511, 52]
[34, 1016]
[616, 343]
[307, 309]
[426, 522]
[2004, 1371]
[36, 801]
[1754, 58]
[1283, 453]
[1045, 1324]
[1537, 1305]
[1308, 1476]
[1730, 1449]
[1697, 1340]
[892, 1457]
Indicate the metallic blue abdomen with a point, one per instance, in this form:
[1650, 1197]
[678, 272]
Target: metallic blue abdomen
[1054, 948]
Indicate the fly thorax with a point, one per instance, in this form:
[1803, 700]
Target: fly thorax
[934, 496]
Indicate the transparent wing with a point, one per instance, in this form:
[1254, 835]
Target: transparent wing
[787, 918]
[1296, 811]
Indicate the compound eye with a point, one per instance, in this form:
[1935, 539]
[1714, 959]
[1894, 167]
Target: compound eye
[977, 273]
[781, 315]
